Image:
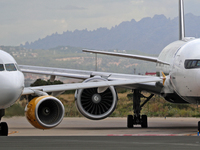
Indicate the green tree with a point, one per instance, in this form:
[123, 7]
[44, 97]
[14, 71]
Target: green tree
[40, 82]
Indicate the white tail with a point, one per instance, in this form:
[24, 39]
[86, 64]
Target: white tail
[181, 21]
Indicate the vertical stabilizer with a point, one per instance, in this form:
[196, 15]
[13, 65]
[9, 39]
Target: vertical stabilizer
[181, 21]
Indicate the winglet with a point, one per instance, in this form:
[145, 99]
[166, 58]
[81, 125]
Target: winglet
[164, 78]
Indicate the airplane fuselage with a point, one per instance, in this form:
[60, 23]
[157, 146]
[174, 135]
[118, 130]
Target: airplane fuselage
[11, 80]
[184, 69]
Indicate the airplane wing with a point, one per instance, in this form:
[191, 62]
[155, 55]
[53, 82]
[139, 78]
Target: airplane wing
[70, 73]
[64, 87]
[145, 58]
[114, 79]
[77, 74]
[81, 74]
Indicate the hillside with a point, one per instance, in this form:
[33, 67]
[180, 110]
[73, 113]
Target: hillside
[149, 35]
[74, 58]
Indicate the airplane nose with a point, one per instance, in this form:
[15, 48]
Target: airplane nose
[11, 86]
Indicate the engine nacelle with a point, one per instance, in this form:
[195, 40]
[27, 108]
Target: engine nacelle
[94, 105]
[45, 112]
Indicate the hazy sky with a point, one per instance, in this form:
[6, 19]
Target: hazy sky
[28, 20]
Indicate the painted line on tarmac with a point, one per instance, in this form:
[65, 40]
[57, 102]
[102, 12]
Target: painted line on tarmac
[12, 132]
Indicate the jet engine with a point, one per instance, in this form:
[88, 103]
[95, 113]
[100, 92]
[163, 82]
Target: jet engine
[45, 112]
[96, 103]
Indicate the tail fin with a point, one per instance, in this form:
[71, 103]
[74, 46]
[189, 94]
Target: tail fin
[181, 21]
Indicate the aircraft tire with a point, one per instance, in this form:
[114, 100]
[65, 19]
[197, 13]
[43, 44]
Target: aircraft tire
[4, 129]
[144, 121]
[129, 121]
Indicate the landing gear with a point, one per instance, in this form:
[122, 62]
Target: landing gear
[144, 121]
[3, 125]
[4, 129]
[137, 119]
[130, 121]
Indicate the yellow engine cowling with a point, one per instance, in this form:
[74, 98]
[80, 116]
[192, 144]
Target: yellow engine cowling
[45, 112]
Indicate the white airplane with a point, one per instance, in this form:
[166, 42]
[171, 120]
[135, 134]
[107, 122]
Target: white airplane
[96, 97]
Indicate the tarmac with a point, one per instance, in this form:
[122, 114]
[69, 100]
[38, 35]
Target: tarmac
[19, 126]
[99, 143]
[108, 134]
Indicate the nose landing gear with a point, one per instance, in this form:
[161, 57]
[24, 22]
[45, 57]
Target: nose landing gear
[137, 119]
[3, 125]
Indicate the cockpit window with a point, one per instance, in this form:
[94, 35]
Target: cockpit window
[1, 67]
[10, 67]
[194, 63]
[198, 63]
[17, 67]
[191, 64]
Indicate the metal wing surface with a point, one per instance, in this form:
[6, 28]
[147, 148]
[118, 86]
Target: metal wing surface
[123, 80]
[140, 57]
[64, 87]
[70, 73]
[77, 74]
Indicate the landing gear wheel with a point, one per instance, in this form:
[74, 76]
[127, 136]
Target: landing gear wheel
[144, 121]
[4, 129]
[137, 107]
[130, 121]
[199, 126]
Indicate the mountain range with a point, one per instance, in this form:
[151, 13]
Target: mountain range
[149, 35]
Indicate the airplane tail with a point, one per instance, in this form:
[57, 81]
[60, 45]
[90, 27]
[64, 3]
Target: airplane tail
[181, 20]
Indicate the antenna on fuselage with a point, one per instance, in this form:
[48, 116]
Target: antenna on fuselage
[181, 20]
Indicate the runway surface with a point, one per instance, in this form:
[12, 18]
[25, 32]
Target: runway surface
[108, 134]
[19, 126]
[99, 143]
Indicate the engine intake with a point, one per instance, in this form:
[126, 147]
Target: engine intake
[45, 112]
[94, 105]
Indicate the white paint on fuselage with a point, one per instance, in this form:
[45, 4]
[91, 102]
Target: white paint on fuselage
[11, 82]
[185, 82]
[168, 55]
